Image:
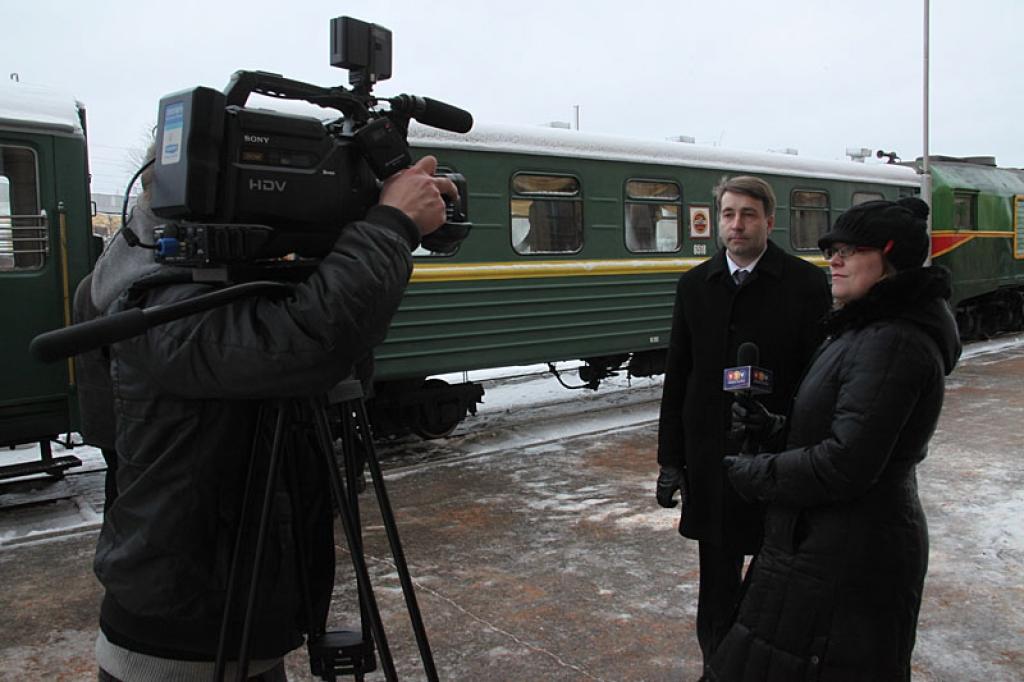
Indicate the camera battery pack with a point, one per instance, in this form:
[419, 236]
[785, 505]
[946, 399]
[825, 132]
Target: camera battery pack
[190, 131]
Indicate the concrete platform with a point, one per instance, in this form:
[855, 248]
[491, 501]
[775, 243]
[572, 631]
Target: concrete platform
[552, 562]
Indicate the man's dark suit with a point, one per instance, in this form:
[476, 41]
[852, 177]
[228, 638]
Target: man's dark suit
[779, 308]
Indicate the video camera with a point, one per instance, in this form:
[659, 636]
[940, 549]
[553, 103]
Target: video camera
[247, 186]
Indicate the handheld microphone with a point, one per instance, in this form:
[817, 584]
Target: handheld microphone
[433, 113]
[747, 379]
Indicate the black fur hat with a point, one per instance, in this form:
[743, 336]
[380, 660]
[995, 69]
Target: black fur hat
[899, 228]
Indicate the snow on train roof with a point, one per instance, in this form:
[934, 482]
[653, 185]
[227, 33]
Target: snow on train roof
[34, 107]
[561, 142]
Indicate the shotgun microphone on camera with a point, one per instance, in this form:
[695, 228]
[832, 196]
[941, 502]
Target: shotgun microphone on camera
[433, 113]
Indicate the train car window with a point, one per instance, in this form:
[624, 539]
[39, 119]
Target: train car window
[546, 214]
[423, 252]
[23, 230]
[965, 211]
[652, 211]
[808, 218]
[864, 197]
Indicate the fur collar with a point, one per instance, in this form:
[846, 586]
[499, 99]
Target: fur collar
[919, 296]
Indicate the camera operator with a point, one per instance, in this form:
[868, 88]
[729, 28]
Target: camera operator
[187, 396]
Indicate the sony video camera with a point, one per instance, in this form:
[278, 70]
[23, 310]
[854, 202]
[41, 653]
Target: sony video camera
[244, 186]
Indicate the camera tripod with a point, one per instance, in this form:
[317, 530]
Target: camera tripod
[306, 422]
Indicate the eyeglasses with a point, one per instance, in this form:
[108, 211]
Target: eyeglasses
[844, 251]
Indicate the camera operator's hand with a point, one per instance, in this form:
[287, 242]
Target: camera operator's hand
[670, 479]
[752, 420]
[415, 192]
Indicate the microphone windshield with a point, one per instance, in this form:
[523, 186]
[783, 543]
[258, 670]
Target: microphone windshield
[748, 354]
[434, 113]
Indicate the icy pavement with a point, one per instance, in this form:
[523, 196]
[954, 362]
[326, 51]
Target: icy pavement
[544, 556]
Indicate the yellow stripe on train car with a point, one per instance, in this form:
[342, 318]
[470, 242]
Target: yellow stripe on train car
[455, 272]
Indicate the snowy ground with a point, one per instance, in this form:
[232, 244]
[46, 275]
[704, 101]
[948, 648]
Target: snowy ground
[523, 407]
[539, 554]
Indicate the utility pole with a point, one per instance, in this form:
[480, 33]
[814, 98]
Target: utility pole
[926, 176]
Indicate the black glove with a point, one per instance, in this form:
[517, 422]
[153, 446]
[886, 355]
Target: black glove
[753, 422]
[746, 474]
[670, 479]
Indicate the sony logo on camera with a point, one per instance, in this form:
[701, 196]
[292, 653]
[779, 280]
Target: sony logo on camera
[257, 139]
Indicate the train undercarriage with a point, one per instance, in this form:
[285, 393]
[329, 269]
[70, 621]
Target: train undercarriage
[997, 312]
[433, 408]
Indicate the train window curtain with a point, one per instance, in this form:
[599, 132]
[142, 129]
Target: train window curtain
[808, 218]
[546, 214]
[651, 219]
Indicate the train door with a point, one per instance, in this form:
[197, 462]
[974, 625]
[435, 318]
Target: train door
[34, 403]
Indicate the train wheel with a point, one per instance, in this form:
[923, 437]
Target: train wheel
[437, 419]
[967, 323]
[1014, 316]
[990, 321]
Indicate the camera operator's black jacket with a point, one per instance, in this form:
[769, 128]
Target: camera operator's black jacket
[779, 307]
[187, 395]
[834, 593]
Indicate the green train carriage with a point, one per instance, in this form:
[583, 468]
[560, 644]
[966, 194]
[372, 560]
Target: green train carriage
[978, 233]
[577, 243]
[46, 247]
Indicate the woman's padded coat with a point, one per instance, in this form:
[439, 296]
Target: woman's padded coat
[834, 593]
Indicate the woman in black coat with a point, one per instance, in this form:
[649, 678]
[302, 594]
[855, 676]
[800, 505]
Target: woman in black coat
[835, 592]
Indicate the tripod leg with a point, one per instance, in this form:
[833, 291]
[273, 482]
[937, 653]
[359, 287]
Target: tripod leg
[314, 629]
[352, 474]
[261, 539]
[391, 528]
[239, 542]
[330, 654]
[355, 547]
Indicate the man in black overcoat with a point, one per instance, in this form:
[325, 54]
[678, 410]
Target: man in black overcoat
[750, 291]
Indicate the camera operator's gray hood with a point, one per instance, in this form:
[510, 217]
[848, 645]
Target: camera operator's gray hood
[121, 264]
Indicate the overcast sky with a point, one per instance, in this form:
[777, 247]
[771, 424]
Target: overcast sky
[818, 77]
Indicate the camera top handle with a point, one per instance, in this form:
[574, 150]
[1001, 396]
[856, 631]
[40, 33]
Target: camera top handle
[244, 83]
[353, 105]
